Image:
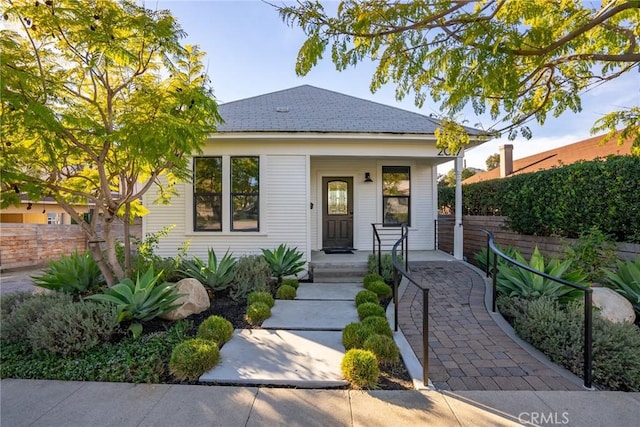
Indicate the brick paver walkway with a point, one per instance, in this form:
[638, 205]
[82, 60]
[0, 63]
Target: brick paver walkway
[468, 351]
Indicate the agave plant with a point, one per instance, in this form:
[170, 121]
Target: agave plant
[140, 301]
[216, 275]
[626, 280]
[517, 282]
[481, 256]
[284, 261]
[74, 274]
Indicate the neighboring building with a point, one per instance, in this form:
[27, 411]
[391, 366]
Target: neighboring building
[46, 211]
[588, 149]
[308, 167]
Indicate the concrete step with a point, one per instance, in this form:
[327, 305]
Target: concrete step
[339, 273]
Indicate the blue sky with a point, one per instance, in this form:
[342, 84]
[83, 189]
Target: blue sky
[250, 52]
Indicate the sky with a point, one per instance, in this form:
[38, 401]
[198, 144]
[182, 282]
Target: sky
[251, 51]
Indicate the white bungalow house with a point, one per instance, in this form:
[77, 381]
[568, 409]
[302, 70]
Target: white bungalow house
[311, 168]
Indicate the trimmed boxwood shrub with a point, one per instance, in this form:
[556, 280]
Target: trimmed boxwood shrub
[380, 325]
[286, 292]
[370, 278]
[560, 201]
[360, 368]
[193, 357]
[291, 282]
[366, 296]
[257, 313]
[369, 309]
[216, 329]
[384, 348]
[381, 289]
[355, 334]
[261, 296]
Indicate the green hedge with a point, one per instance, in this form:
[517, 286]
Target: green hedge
[563, 201]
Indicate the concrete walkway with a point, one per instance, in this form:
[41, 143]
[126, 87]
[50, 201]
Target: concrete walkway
[70, 404]
[300, 345]
[468, 348]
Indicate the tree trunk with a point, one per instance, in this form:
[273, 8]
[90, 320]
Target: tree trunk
[110, 249]
[127, 240]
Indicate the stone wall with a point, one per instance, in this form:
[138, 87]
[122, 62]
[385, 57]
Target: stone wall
[26, 245]
[475, 240]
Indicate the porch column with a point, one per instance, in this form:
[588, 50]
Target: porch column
[457, 228]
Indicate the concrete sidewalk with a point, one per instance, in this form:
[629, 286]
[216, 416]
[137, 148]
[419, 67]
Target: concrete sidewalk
[68, 404]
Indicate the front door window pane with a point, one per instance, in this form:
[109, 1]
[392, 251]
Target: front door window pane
[337, 198]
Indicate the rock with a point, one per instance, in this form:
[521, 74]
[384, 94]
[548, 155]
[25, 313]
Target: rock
[195, 301]
[613, 306]
[42, 291]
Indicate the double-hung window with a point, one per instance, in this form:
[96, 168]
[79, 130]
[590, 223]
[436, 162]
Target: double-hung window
[396, 195]
[226, 193]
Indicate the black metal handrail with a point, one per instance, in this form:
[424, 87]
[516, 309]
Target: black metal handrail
[387, 240]
[588, 299]
[397, 271]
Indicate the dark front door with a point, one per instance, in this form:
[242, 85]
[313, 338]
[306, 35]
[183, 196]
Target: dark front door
[337, 212]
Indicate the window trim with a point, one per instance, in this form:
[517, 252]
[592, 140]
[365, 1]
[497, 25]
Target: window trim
[386, 197]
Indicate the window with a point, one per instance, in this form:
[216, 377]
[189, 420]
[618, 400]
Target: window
[245, 193]
[207, 197]
[396, 195]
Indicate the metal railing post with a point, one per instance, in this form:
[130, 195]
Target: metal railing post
[395, 299]
[494, 280]
[588, 337]
[488, 257]
[425, 335]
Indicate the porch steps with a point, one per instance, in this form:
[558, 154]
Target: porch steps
[339, 272]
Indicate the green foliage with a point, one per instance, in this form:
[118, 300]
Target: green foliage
[561, 202]
[380, 325]
[381, 289]
[96, 110]
[480, 257]
[140, 301]
[547, 57]
[142, 360]
[592, 253]
[193, 357]
[217, 329]
[73, 274]
[73, 327]
[517, 282]
[626, 280]
[286, 292]
[387, 267]
[449, 179]
[557, 332]
[384, 347]
[493, 161]
[372, 276]
[264, 297]
[291, 282]
[369, 309]
[216, 275]
[355, 334]
[284, 261]
[360, 368]
[252, 273]
[20, 313]
[366, 296]
[257, 313]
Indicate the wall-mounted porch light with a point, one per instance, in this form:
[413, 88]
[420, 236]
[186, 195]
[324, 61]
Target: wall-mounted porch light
[367, 177]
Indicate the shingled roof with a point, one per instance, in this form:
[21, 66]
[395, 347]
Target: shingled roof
[588, 149]
[310, 109]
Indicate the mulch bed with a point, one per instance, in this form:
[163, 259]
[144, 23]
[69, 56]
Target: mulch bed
[391, 377]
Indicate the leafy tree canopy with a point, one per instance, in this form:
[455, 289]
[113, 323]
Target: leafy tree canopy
[449, 179]
[98, 100]
[493, 161]
[516, 60]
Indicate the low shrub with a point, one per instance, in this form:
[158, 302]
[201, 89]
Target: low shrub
[557, 331]
[366, 296]
[291, 282]
[369, 309]
[217, 329]
[387, 266]
[360, 368]
[381, 289]
[384, 347]
[71, 327]
[193, 357]
[592, 253]
[264, 297]
[286, 292]
[380, 325]
[252, 273]
[370, 278]
[355, 334]
[142, 360]
[257, 313]
[73, 274]
[22, 313]
[626, 280]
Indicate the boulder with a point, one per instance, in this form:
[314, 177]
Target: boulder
[195, 301]
[613, 306]
[42, 291]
